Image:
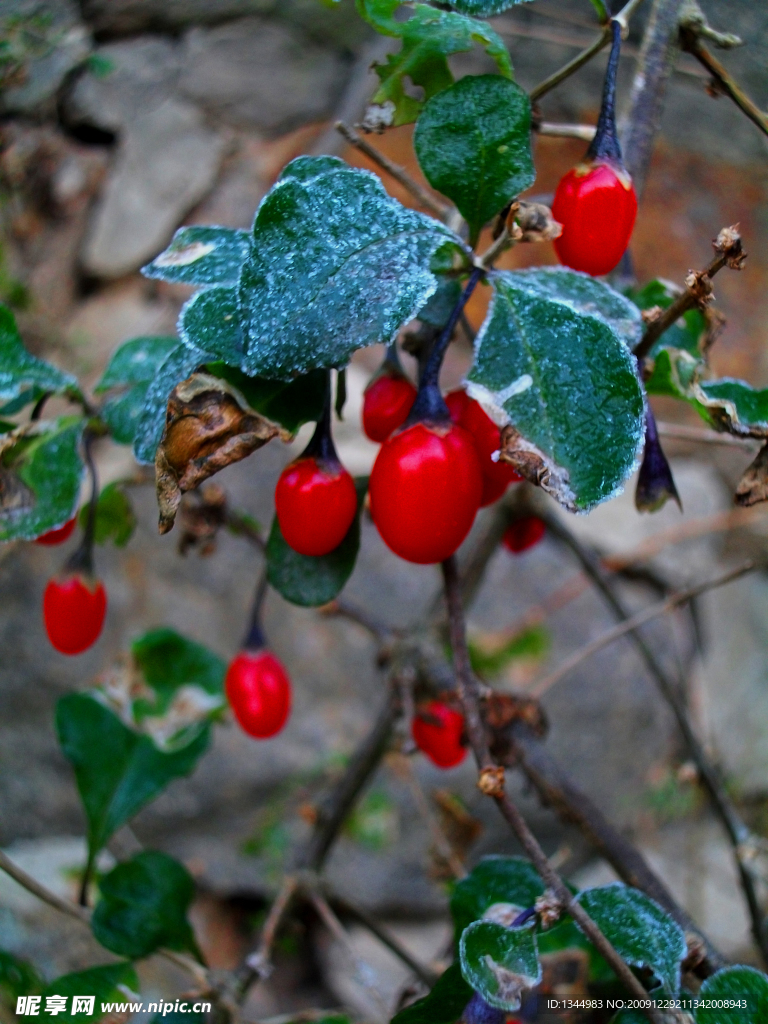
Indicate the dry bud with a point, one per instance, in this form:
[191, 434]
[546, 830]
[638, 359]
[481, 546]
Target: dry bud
[491, 781]
[549, 908]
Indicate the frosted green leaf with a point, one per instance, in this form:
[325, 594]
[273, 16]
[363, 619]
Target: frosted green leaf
[429, 37]
[211, 321]
[202, 255]
[289, 403]
[41, 472]
[500, 963]
[567, 383]
[176, 367]
[440, 305]
[484, 8]
[641, 932]
[508, 880]
[24, 377]
[473, 143]
[734, 984]
[336, 265]
[128, 375]
[443, 1005]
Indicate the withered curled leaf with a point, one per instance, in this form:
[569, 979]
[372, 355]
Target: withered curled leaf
[208, 426]
[753, 486]
[532, 464]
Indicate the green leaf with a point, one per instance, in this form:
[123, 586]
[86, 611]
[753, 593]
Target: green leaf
[484, 8]
[687, 333]
[641, 932]
[531, 643]
[428, 37]
[115, 519]
[734, 983]
[509, 880]
[114, 983]
[586, 294]
[131, 370]
[202, 255]
[211, 321]
[170, 663]
[117, 769]
[440, 305]
[17, 978]
[40, 476]
[443, 1005]
[143, 906]
[568, 384]
[566, 935]
[289, 403]
[23, 376]
[311, 581]
[150, 423]
[336, 265]
[473, 143]
[500, 963]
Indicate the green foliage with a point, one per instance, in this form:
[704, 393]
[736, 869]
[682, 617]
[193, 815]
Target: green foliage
[174, 667]
[499, 962]
[17, 978]
[289, 403]
[568, 383]
[484, 8]
[510, 880]
[40, 476]
[687, 333]
[373, 823]
[566, 935]
[150, 423]
[641, 932]
[428, 37]
[531, 643]
[312, 581]
[120, 771]
[24, 377]
[115, 519]
[443, 1005]
[202, 255]
[128, 376]
[473, 142]
[112, 983]
[440, 305]
[735, 983]
[143, 906]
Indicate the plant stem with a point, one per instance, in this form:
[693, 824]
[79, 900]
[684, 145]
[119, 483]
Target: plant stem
[470, 700]
[572, 66]
[254, 637]
[81, 560]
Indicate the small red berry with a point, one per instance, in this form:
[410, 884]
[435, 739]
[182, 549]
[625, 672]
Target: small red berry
[596, 204]
[74, 607]
[386, 403]
[468, 413]
[425, 490]
[457, 402]
[315, 502]
[438, 732]
[523, 534]
[57, 536]
[259, 692]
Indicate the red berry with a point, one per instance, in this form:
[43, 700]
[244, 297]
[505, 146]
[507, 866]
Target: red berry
[315, 502]
[73, 609]
[523, 534]
[259, 692]
[386, 404]
[457, 402]
[596, 204]
[438, 733]
[57, 536]
[497, 476]
[425, 491]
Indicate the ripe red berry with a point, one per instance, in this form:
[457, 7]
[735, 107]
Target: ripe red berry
[425, 491]
[259, 692]
[74, 607]
[386, 403]
[57, 536]
[497, 476]
[315, 502]
[523, 534]
[438, 732]
[596, 204]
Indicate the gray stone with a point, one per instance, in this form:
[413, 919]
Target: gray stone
[254, 73]
[166, 162]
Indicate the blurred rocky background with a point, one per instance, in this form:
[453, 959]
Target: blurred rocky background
[121, 121]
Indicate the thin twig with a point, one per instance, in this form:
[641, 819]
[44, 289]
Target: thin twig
[541, 686]
[679, 432]
[567, 131]
[439, 210]
[572, 66]
[442, 845]
[493, 786]
[343, 609]
[259, 963]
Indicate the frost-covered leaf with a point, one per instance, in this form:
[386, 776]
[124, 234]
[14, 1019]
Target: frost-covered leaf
[150, 423]
[473, 143]
[118, 770]
[211, 321]
[495, 880]
[24, 377]
[440, 305]
[641, 932]
[312, 581]
[587, 294]
[336, 265]
[500, 963]
[484, 8]
[734, 984]
[113, 983]
[40, 476]
[567, 385]
[443, 1005]
[687, 333]
[128, 375]
[429, 37]
[202, 255]
[143, 904]
[289, 403]
[115, 519]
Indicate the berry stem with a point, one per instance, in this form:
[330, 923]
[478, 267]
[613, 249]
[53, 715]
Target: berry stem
[81, 561]
[605, 144]
[254, 637]
[321, 446]
[429, 404]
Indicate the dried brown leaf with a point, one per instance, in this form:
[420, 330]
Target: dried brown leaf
[753, 486]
